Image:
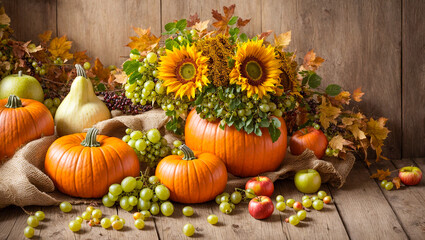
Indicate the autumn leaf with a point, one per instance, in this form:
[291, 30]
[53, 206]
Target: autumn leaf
[338, 142]
[328, 113]
[356, 131]
[283, 40]
[120, 77]
[59, 47]
[378, 133]
[311, 62]
[357, 94]
[381, 174]
[242, 23]
[396, 182]
[264, 35]
[101, 72]
[45, 37]
[145, 41]
[343, 97]
[4, 19]
[81, 57]
[193, 19]
[201, 26]
[222, 21]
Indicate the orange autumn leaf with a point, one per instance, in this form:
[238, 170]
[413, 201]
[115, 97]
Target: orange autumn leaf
[193, 19]
[381, 174]
[101, 72]
[222, 21]
[59, 47]
[242, 23]
[357, 94]
[328, 113]
[311, 61]
[343, 97]
[356, 131]
[46, 36]
[283, 40]
[81, 57]
[396, 182]
[378, 133]
[145, 41]
[264, 35]
[338, 142]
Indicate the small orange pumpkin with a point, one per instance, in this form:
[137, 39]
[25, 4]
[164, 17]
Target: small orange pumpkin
[196, 177]
[22, 120]
[85, 165]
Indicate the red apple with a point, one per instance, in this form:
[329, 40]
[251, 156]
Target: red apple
[410, 175]
[297, 206]
[261, 185]
[261, 207]
[310, 138]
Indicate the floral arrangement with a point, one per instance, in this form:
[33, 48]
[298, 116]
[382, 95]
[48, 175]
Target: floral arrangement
[243, 82]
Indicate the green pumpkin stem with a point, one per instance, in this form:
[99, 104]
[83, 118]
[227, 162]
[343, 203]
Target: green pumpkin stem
[90, 140]
[80, 71]
[13, 102]
[20, 73]
[188, 153]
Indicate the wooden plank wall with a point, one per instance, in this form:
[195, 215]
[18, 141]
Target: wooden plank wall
[375, 44]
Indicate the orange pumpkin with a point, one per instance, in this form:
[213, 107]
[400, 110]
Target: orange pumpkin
[22, 120]
[245, 155]
[196, 177]
[85, 165]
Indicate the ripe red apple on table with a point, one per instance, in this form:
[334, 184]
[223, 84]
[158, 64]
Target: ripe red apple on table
[310, 138]
[261, 185]
[307, 181]
[260, 207]
[410, 175]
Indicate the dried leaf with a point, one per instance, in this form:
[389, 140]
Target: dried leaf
[343, 97]
[242, 23]
[201, 26]
[357, 94]
[222, 21]
[46, 36]
[338, 142]
[378, 133]
[101, 72]
[81, 57]
[283, 40]
[145, 40]
[59, 47]
[35, 49]
[4, 19]
[396, 182]
[264, 35]
[311, 62]
[120, 77]
[193, 19]
[381, 174]
[357, 133]
[328, 113]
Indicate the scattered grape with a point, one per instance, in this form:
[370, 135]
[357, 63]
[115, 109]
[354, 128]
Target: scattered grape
[321, 194]
[281, 206]
[307, 203]
[318, 205]
[117, 225]
[188, 230]
[187, 211]
[236, 197]
[212, 219]
[65, 207]
[139, 224]
[327, 199]
[40, 215]
[294, 220]
[280, 198]
[383, 183]
[86, 215]
[29, 232]
[290, 202]
[301, 214]
[74, 226]
[32, 221]
[105, 223]
[167, 208]
[389, 186]
[96, 213]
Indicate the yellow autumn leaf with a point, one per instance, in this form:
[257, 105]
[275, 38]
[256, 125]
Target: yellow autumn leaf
[120, 77]
[283, 40]
[356, 131]
[4, 19]
[101, 72]
[59, 47]
[357, 94]
[347, 121]
[311, 61]
[381, 174]
[378, 133]
[328, 113]
[46, 36]
[338, 142]
[343, 97]
[145, 41]
[201, 26]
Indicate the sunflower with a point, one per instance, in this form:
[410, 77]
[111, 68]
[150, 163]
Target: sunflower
[256, 69]
[183, 71]
[288, 76]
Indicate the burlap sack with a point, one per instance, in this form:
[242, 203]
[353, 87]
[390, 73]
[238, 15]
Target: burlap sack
[23, 182]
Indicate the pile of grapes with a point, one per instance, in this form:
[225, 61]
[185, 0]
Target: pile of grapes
[227, 202]
[52, 104]
[33, 222]
[118, 101]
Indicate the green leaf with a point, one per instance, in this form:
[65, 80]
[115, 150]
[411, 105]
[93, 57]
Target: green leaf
[255, 38]
[170, 26]
[134, 77]
[231, 62]
[276, 122]
[249, 126]
[135, 51]
[101, 87]
[243, 37]
[239, 125]
[170, 113]
[274, 133]
[234, 103]
[264, 123]
[181, 24]
[233, 20]
[333, 89]
[199, 99]
[233, 31]
[262, 114]
[257, 131]
[314, 80]
[219, 112]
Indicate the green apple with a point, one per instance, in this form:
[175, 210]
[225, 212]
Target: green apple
[307, 181]
[21, 85]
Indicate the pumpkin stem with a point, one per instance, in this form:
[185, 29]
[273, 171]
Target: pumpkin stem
[90, 140]
[188, 153]
[80, 71]
[13, 102]
[20, 73]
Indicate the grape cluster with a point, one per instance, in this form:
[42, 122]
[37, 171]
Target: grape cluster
[227, 202]
[118, 101]
[387, 185]
[144, 193]
[150, 146]
[52, 104]
[33, 222]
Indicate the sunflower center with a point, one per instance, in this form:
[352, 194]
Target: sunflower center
[186, 70]
[254, 70]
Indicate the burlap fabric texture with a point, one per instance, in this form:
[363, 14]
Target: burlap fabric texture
[23, 182]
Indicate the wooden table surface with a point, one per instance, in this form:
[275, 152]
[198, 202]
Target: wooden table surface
[361, 210]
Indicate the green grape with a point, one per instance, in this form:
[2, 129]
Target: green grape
[145, 213]
[153, 179]
[225, 207]
[139, 224]
[177, 143]
[117, 225]
[236, 197]
[218, 199]
[278, 113]
[87, 65]
[40, 215]
[107, 202]
[383, 183]
[152, 57]
[314, 198]
[79, 219]
[294, 220]
[162, 192]
[187, 211]
[389, 186]
[74, 226]
[224, 199]
[112, 197]
[316, 126]
[188, 229]
[105, 223]
[139, 185]
[154, 208]
[97, 213]
[153, 135]
[136, 135]
[115, 189]
[280, 198]
[65, 207]
[329, 152]
[249, 193]
[307, 202]
[146, 194]
[86, 215]
[149, 85]
[264, 107]
[134, 56]
[29, 232]
[132, 143]
[48, 103]
[318, 205]
[305, 197]
[132, 200]
[321, 194]
[212, 219]
[124, 202]
[290, 202]
[128, 184]
[301, 214]
[126, 138]
[56, 102]
[129, 208]
[114, 218]
[281, 206]
[167, 208]
[34, 64]
[143, 204]
[32, 221]
[140, 145]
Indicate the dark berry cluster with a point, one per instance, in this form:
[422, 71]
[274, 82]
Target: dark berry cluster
[118, 101]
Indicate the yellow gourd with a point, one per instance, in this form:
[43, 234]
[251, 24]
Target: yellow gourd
[81, 108]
